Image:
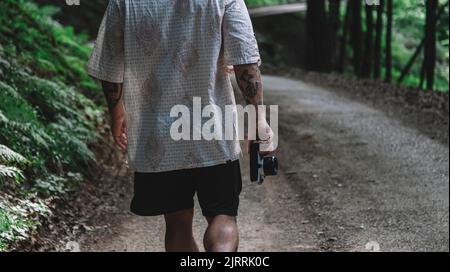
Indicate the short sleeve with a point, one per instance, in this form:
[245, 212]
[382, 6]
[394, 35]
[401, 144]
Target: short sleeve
[239, 40]
[107, 60]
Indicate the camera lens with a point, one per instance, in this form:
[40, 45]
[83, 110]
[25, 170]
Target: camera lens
[270, 166]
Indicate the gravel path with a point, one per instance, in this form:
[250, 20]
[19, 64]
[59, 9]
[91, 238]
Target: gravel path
[352, 179]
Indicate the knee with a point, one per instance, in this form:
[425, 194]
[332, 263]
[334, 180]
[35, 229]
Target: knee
[227, 231]
[222, 236]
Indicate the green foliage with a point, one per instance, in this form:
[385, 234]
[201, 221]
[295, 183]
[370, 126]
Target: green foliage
[19, 218]
[408, 31]
[47, 121]
[9, 172]
[9, 156]
[409, 25]
[58, 185]
[38, 43]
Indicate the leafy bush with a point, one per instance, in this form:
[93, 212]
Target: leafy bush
[41, 45]
[48, 117]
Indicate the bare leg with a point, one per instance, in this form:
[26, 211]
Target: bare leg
[179, 236]
[222, 234]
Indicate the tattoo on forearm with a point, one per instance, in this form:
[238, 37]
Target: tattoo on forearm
[249, 81]
[250, 88]
[113, 93]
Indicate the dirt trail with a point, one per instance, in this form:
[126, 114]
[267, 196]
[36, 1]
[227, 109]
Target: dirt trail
[352, 178]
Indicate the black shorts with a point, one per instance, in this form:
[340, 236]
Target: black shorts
[217, 187]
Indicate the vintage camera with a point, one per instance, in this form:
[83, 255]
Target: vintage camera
[261, 166]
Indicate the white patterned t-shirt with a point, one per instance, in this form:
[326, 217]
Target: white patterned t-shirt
[166, 52]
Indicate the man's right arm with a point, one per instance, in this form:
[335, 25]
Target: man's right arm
[113, 94]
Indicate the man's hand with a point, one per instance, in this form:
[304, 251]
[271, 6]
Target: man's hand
[266, 138]
[119, 127]
[113, 94]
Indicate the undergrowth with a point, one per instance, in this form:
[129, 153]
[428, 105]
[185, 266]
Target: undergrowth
[48, 116]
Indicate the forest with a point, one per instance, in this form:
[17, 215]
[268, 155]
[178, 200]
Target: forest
[52, 113]
[398, 41]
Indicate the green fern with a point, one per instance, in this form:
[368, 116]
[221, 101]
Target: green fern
[9, 156]
[48, 118]
[9, 172]
[3, 118]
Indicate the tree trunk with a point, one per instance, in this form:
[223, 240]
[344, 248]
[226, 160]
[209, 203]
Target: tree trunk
[389, 41]
[422, 75]
[410, 63]
[334, 25]
[344, 39]
[356, 35]
[419, 48]
[378, 35]
[366, 69]
[430, 42]
[318, 53]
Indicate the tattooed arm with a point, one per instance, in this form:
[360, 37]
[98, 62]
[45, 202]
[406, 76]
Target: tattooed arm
[248, 77]
[113, 94]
